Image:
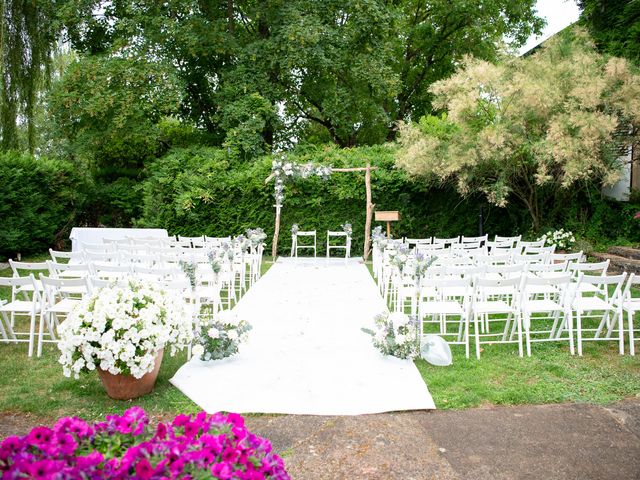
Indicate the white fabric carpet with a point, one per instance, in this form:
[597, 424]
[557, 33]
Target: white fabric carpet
[306, 353]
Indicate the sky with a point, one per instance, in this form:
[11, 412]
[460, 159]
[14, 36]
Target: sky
[558, 13]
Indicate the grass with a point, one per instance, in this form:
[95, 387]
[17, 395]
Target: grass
[550, 375]
[36, 386]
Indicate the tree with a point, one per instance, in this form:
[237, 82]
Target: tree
[338, 70]
[528, 128]
[614, 25]
[28, 35]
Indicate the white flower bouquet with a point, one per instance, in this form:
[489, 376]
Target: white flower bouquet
[399, 255]
[294, 229]
[220, 337]
[120, 329]
[395, 335]
[563, 240]
[347, 228]
[256, 237]
[379, 239]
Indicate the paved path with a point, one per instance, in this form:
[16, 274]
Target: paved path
[564, 442]
[306, 352]
[573, 441]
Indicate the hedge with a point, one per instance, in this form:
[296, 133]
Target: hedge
[41, 200]
[196, 191]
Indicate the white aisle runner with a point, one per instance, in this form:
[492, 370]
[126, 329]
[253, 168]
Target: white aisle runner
[306, 353]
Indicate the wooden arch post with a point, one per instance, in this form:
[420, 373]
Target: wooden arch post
[369, 209]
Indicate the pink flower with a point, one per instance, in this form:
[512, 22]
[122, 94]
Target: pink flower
[144, 469]
[40, 436]
[637, 215]
[221, 471]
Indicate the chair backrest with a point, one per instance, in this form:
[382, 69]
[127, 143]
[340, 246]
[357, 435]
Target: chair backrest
[99, 247]
[307, 233]
[52, 286]
[336, 233]
[566, 257]
[465, 271]
[560, 283]
[430, 247]
[69, 269]
[16, 282]
[602, 284]
[466, 246]
[418, 241]
[546, 268]
[511, 240]
[633, 281]
[529, 250]
[504, 271]
[111, 258]
[505, 288]
[577, 268]
[482, 239]
[72, 257]
[18, 267]
[446, 241]
[495, 259]
[531, 258]
[533, 243]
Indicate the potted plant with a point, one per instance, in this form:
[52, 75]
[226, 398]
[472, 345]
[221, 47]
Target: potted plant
[562, 239]
[122, 331]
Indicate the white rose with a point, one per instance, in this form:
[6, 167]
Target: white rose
[233, 335]
[213, 332]
[197, 351]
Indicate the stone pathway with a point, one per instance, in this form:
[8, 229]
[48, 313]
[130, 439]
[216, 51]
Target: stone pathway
[570, 441]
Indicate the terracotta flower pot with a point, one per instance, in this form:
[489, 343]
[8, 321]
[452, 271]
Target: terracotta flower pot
[127, 387]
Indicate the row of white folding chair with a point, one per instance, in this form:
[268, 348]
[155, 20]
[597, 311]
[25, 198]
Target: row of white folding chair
[522, 299]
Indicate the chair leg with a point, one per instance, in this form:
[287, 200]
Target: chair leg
[620, 318]
[527, 332]
[579, 331]
[466, 335]
[569, 321]
[32, 332]
[40, 334]
[632, 347]
[477, 335]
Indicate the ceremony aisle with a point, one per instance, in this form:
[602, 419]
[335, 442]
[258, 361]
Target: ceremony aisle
[306, 353]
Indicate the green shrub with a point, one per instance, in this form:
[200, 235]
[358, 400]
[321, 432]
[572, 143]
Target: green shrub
[196, 191]
[41, 199]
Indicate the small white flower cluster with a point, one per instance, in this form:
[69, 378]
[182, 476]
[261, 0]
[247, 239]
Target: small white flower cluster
[400, 255]
[120, 329]
[220, 337]
[294, 229]
[256, 237]
[379, 239]
[282, 168]
[395, 335]
[347, 228]
[563, 240]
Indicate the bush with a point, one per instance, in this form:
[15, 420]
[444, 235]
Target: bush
[196, 191]
[41, 199]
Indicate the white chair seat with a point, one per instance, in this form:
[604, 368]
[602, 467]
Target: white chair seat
[497, 306]
[542, 305]
[441, 308]
[587, 304]
[20, 306]
[64, 306]
[632, 305]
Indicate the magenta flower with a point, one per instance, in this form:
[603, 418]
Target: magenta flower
[637, 215]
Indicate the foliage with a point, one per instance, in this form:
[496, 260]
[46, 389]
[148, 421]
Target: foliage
[196, 191]
[258, 74]
[121, 447]
[614, 26]
[220, 337]
[395, 335]
[528, 128]
[562, 239]
[28, 33]
[41, 201]
[121, 329]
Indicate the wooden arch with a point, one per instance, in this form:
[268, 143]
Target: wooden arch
[368, 209]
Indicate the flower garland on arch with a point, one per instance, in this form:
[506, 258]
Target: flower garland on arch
[282, 169]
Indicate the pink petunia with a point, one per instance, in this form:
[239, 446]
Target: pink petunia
[144, 469]
[637, 215]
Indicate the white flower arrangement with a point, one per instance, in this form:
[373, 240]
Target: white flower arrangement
[189, 268]
[399, 256]
[283, 169]
[256, 237]
[347, 228]
[220, 337]
[395, 334]
[294, 229]
[379, 239]
[563, 240]
[120, 329]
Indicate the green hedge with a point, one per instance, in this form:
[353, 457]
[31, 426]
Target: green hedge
[40, 202]
[196, 191]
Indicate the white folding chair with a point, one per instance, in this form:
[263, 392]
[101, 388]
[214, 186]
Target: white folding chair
[546, 303]
[69, 270]
[599, 307]
[66, 257]
[631, 305]
[444, 302]
[57, 303]
[446, 241]
[296, 246]
[414, 242]
[338, 234]
[482, 240]
[590, 269]
[496, 301]
[29, 307]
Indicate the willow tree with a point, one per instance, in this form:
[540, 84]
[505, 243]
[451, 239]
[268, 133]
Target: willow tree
[527, 128]
[28, 32]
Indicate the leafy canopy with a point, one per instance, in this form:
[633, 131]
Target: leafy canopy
[525, 128]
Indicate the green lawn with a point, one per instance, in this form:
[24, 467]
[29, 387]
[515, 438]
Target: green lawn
[37, 386]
